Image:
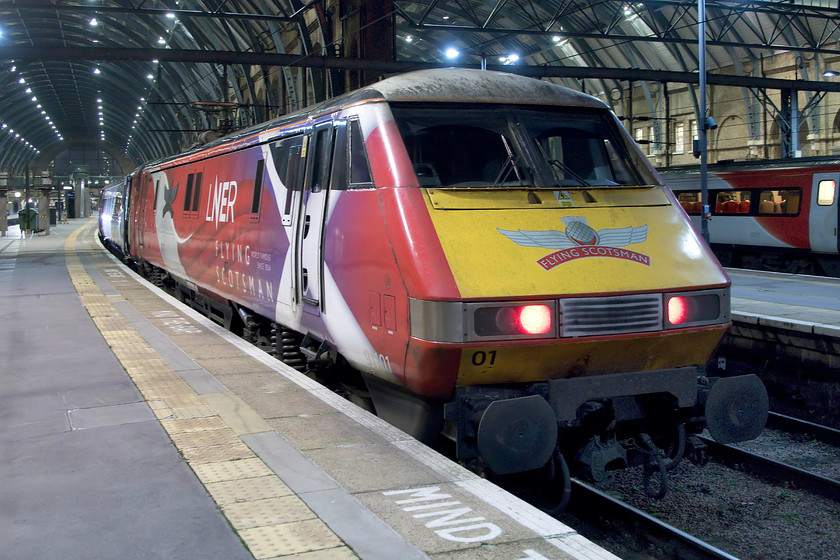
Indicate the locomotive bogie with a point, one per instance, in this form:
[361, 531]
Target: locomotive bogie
[506, 264]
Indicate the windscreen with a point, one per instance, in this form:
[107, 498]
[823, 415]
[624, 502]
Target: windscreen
[506, 146]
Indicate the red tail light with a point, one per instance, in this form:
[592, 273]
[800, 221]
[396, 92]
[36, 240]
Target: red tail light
[677, 310]
[535, 319]
[503, 322]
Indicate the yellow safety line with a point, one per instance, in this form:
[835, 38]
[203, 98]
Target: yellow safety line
[270, 519]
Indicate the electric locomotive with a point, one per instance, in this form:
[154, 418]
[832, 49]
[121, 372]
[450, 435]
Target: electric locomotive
[492, 254]
[112, 217]
[780, 215]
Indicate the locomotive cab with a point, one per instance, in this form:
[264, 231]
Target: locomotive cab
[584, 307]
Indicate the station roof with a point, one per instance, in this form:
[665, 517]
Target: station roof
[142, 78]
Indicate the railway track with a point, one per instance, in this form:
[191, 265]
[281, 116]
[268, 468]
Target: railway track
[608, 515]
[778, 471]
[602, 510]
[793, 425]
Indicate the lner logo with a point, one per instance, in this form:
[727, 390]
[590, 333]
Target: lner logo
[221, 201]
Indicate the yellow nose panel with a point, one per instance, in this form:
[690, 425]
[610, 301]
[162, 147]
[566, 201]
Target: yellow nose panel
[504, 244]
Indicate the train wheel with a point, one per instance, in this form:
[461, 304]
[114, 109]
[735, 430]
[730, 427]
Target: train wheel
[554, 498]
[263, 338]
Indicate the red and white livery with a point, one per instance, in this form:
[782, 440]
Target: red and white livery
[773, 215]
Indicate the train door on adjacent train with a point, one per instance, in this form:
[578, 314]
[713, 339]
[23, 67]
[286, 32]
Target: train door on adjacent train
[825, 216]
[124, 215]
[310, 227]
[147, 191]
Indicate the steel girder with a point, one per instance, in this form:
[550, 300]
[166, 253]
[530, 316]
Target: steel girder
[68, 87]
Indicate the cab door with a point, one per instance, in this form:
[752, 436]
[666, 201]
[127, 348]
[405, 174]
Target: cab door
[825, 217]
[310, 226]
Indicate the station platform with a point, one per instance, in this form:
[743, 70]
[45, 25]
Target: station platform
[793, 316]
[795, 298]
[132, 427]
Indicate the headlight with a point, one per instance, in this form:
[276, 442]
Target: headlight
[513, 320]
[691, 309]
[486, 321]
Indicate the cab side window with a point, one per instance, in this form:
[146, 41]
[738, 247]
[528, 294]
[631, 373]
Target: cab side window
[359, 166]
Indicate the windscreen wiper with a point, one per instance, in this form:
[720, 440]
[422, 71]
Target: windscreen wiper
[509, 164]
[562, 167]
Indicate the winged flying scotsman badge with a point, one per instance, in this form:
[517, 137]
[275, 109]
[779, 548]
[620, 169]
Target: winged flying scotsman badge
[580, 240]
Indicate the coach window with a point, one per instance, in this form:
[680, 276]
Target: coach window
[359, 167]
[690, 201]
[825, 193]
[192, 194]
[780, 202]
[733, 202]
[157, 188]
[196, 192]
[188, 195]
[258, 186]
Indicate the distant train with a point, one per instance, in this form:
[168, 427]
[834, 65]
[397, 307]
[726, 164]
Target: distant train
[780, 215]
[491, 255]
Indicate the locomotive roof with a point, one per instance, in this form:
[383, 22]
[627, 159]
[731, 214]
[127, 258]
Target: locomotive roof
[477, 86]
[455, 85]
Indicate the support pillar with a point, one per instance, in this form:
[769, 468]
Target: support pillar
[789, 125]
[43, 211]
[4, 203]
[378, 34]
[4, 206]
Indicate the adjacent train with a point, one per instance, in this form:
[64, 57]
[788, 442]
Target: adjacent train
[780, 215]
[491, 255]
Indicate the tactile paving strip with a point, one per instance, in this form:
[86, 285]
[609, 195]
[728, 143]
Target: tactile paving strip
[289, 538]
[231, 470]
[272, 521]
[246, 489]
[270, 511]
[341, 553]
[217, 453]
[186, 425]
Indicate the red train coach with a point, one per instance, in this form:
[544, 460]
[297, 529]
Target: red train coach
[778, 215]
[490, 254]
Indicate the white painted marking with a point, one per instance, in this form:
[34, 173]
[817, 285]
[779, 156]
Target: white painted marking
[457, 527]
[176, 323]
